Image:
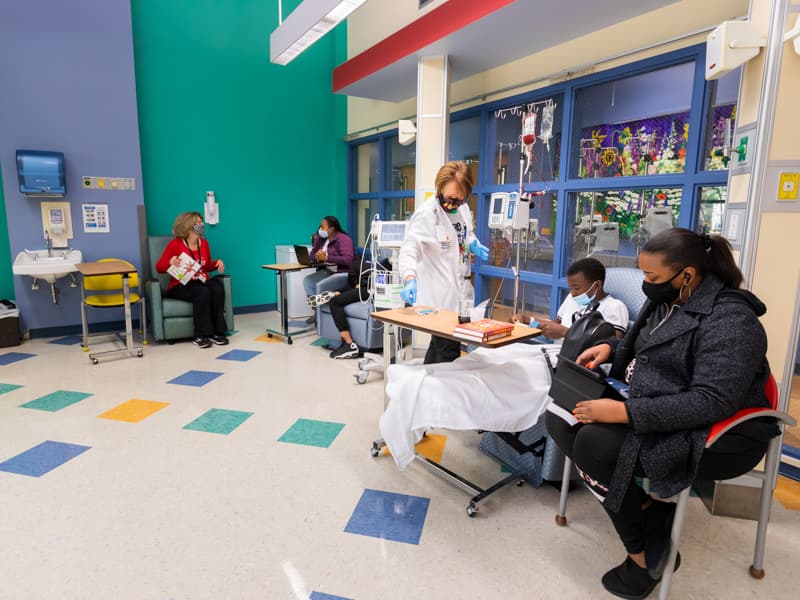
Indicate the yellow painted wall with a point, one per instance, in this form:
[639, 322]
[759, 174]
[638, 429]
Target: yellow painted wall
[775, 282]
[378, 19]
[785, 144]
[677, 19]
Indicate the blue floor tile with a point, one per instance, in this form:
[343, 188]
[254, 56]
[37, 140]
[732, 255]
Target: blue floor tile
[321, 596]
[389, 516]
[42, 459]
[239, 355]
[324, 342]
[12, 357]
[195, 378]
[69, 340]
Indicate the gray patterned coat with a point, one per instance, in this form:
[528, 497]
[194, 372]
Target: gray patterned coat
[704, 363]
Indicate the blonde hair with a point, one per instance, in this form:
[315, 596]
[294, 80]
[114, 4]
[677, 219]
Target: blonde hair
[183, 224]
[457, 171]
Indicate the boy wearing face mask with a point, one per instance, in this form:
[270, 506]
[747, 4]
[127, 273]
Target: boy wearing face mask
[206, 294]
[585, 278]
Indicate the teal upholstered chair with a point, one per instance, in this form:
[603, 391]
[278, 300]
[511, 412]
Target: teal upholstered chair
[171, 319]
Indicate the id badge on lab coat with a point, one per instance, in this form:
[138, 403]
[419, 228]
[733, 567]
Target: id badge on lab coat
[444, 237]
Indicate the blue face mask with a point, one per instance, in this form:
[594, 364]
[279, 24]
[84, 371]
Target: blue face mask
[323, 233]
[585, 299]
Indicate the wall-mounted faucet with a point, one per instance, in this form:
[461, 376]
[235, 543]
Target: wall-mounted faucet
[49, 241]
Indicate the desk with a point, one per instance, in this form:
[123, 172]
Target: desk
[281, 270]
[442, 323]
[110, 267]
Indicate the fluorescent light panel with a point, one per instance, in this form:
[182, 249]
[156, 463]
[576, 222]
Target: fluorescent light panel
[305, 25]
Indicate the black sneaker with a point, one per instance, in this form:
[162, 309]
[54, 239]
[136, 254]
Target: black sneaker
[629, 580]
[346, 351]
[202, 342]
[219, 339]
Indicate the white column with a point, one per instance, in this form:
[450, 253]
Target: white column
[433, 122]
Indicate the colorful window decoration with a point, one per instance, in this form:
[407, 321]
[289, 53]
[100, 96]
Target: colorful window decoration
[653, 146]
[723, 122]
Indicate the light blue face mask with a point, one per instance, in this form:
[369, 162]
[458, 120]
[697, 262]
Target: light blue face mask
[585, 299]
[323, 233]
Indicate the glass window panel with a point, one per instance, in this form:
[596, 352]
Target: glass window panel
[465, 141]
[365, 211]
[721, 121]
[403, 166]
[613, 225]
[535, 243]
[367, 169]
[711, 208]
[634, 126]
[400, 209]
[534, 297]
[545, 148]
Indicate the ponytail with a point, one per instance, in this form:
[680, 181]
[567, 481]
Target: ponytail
[681, 248]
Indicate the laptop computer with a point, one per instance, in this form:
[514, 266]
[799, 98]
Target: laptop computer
[303, 257]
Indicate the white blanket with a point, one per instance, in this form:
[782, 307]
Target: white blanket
[503, 389]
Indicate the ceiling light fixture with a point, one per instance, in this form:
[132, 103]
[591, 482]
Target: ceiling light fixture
[305, 25]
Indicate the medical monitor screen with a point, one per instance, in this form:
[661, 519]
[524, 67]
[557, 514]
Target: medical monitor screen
[41, 173]
[392, 234]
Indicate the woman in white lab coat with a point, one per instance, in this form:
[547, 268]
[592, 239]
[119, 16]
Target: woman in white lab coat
[435, 256]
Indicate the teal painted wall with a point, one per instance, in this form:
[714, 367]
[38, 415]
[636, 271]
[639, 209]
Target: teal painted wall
[6, 275]
[215, 114]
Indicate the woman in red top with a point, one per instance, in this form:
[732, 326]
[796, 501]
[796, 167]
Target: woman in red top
[206, 293]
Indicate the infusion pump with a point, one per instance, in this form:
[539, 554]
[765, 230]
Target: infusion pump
[507, 209]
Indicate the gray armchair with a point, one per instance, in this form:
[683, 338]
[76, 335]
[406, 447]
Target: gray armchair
[366, 332]
[172, 319]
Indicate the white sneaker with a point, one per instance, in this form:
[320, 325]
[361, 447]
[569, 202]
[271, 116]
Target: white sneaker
[320, 299]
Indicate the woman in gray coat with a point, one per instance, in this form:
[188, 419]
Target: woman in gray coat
[695, 356]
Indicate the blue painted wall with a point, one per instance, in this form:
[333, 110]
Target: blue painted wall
[68, 84]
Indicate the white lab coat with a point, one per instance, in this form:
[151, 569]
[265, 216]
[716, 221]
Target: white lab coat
[430, 253]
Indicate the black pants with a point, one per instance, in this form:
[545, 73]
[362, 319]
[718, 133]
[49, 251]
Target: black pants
[208, 305]
[594, 448]
[337, 304]
[442, 350]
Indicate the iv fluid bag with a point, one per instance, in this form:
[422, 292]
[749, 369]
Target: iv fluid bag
[546, 131]
[529, 129]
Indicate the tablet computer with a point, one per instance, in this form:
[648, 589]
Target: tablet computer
[573, 383]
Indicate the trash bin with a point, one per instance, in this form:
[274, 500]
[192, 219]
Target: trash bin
[9, 324]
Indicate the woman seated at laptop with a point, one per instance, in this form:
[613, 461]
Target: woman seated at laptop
[330, 245]
[695, 356]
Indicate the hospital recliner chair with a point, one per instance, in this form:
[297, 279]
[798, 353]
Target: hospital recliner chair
[366, 332]
[172, 318]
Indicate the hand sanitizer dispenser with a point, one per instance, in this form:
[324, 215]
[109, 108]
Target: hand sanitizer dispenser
[57, 223]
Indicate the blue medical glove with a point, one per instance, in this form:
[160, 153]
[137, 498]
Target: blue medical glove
[479, 249]
[409, 293]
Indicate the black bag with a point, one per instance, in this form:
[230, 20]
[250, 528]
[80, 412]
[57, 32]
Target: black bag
[587, 331]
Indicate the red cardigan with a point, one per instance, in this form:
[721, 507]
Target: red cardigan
[177, 247]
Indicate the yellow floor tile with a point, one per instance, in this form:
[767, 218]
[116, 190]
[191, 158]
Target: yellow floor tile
[265, 338]
[788, 493]
[431, 447]
[133, 411]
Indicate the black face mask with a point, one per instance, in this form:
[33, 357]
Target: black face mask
[661, 292]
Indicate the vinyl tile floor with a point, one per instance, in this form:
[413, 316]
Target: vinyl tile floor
[244, 471]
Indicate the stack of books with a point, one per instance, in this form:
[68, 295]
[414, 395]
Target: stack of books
[484, 330]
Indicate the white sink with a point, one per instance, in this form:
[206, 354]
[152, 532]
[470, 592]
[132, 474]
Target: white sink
[46, 266]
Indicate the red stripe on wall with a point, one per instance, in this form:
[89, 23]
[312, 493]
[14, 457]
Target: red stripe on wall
[431, 27]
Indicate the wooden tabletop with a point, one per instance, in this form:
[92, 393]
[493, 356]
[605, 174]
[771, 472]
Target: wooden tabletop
[443, 322]
[286, 267]
[107, 267]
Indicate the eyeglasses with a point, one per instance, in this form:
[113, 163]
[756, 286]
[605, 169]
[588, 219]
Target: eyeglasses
[451, 201]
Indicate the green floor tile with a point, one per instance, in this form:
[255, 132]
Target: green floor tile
[312, 433]
[8, 387]
[219, 420]
[56, 400]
